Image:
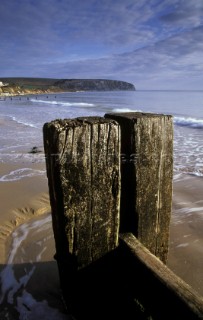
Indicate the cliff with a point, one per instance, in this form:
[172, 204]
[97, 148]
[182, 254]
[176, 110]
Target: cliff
[17, 86]
[94, 85]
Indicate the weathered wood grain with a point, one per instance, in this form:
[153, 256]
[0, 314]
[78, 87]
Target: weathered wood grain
[83, 169]
[160, 291]
[146, 178]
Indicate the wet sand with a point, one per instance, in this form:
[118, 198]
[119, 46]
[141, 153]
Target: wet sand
[27, 244]
[186, 231]
[28, 272]
[21, 200]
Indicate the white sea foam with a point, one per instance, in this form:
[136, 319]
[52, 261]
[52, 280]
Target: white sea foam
[9, 284]
[63, 103]
[182, 245]
[20, 174]
[177, 176]
[125, 110]
[189, 210]
[23, 122]
[188, 151]
[197, 174]
[189, 122]
[14, 290]
[12, 147]
[19, 157]
[181, 171]
[31, 309]
[39, 256]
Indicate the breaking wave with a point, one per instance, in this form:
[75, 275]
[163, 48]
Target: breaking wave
[62, 103]
[189, 122]
[125, 110]
[22, 122]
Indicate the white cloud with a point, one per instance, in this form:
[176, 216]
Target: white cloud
[146, 42]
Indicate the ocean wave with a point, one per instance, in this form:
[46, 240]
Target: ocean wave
[125, 110]
[20, 174]
[197, 174]
[189, 122]
[189, 210]
[181, 171]
[62, 103]
[180, 121]
[16, 157]
[13, 147]
[22, 122]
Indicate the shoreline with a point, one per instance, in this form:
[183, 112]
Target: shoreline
[24, 199]
[27, 240]
[31, 93]
[28, 199]
[20, 86]
[185, 256]
[26, 235]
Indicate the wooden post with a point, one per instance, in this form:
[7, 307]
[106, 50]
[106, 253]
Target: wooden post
[154, 287]
[146, 178]
[83, 169]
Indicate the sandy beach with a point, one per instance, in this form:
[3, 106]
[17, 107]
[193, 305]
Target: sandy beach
[22, 200]
[27, 243]
[29, 281]
[186, 238]
[28, 269]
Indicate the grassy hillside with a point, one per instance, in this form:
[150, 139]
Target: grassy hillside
[47, 85]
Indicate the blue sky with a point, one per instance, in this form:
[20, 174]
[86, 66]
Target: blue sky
[154, 44]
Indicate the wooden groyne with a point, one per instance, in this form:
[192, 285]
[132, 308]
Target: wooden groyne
[110, 185]
[146, 175]
[83, 167]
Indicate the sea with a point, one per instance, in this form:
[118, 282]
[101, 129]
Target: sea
[22, 119]
[21, 122]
